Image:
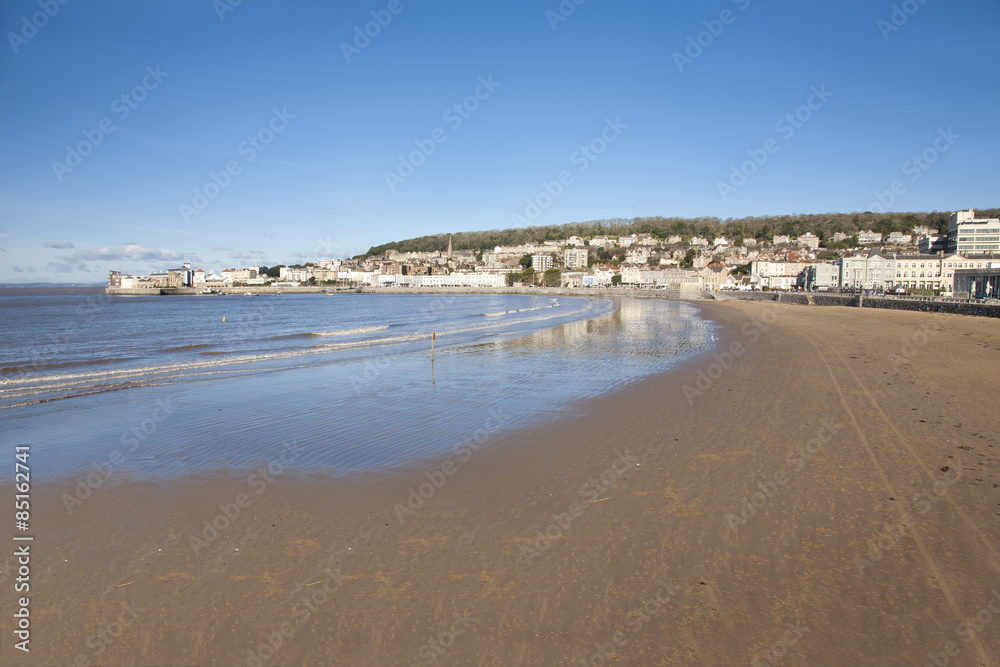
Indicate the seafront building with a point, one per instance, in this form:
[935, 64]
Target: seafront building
[968, 234]
[576, 258]
[541, 263]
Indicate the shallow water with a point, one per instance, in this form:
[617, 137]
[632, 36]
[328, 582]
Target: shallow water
[340, 384]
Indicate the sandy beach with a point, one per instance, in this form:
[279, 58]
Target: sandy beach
[822, 490]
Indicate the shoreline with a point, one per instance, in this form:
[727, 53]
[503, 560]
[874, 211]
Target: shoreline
[548, 545]
[673, 293]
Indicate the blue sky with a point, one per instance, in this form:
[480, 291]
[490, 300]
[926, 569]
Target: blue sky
[203, 82]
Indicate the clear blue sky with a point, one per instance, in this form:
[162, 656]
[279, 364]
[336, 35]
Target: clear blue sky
[319, 188]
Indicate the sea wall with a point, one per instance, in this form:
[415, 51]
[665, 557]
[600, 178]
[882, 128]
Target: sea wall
[927, 305]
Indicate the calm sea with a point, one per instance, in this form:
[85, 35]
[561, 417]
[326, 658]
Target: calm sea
[166, 386]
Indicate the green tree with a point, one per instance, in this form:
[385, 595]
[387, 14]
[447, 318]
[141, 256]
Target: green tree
[275, 271]
[525, 261]
[616, 280]
[529, 276]
[552, 278]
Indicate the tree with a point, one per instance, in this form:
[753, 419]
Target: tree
[529, 276]
[616, 280]
[275, 271]
[552, 278]
[688, 260]
[525, 261]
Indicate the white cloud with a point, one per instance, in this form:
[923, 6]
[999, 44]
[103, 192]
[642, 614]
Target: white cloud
[130, 252]
[60, 246]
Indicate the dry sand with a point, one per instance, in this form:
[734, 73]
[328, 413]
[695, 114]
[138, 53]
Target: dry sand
[831, 497]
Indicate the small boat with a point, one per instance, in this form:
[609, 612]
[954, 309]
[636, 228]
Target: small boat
[207, 291]
[249, 294]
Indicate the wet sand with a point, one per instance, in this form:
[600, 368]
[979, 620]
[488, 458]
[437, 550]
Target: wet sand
[829, 494]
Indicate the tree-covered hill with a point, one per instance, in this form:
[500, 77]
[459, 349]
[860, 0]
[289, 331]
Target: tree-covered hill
[762, 228]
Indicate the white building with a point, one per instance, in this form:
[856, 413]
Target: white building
[776, 275]
[868, 237]
[637, 256]
[576, 258]
[822, 276]
[898, 238]
[288, 274]
[575, 241]
[541, 263]
[781, 240]
[600, 242]
[698, 241]
[637, 277]
[969, 234]
[864, 272]
[809, 240]
[626, 241]
[599, 278]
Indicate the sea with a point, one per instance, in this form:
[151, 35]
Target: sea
[351, 383]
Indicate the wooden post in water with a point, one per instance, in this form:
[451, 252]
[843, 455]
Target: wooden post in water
[433, 336]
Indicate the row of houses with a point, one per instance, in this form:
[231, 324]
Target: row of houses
[864, 271]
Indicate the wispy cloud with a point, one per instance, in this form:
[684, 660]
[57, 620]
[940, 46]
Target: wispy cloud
[130, 252]
[59, 246]
[254, 254]
[23, 269]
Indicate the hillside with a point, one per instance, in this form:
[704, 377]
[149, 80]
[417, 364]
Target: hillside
[762, 228]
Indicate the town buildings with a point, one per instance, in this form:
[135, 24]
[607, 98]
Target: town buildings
[923, 263]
